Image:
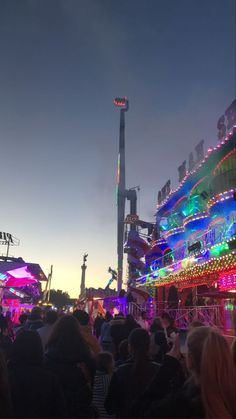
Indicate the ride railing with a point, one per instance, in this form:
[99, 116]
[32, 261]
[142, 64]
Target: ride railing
[208, 315]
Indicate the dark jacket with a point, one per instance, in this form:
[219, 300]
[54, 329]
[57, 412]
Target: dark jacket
[77, 392]
[33, 324]
[6, 346]
[126, 387]
[184, 404]
[129, 327]
[168, 380]
[36, 393]
[97, 326]
[117, 332]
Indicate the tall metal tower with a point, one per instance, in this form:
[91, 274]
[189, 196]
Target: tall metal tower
[123, 104]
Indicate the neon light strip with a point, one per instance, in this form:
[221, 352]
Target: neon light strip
[232, 152]
[210, 264]
[188, 259]
[195, 217]
[174, 231]
[183, 198]
[223, 196]
[196, 185]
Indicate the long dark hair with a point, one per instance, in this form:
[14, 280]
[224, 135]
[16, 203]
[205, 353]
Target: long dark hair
[67, 342]
[139, 344]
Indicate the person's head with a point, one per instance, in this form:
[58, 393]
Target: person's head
[67, 340]
[139, 342]
[166, 320]
[156, 325]
[36, 313]
[22, 319]
[50, 317]
[108, 316]
[195, 323]
[82, 317]
[210, 360]
[124, 349]
[105, 362]
[27, 349]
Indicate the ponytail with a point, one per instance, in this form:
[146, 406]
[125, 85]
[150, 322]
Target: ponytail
[217, 377]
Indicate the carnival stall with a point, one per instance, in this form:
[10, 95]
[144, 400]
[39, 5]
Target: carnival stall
[20, 285]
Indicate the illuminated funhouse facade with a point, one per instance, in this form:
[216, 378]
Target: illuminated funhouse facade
[196, 224]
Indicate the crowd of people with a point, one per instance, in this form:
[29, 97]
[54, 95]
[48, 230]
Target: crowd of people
[66, 366]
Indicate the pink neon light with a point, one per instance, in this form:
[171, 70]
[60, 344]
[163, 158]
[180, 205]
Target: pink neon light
[21, 273]
[228, 281]
[20, 282]
[20, 277]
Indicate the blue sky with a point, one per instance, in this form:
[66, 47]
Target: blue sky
[62, 63]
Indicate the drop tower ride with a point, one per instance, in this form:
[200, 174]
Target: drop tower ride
[123, 104]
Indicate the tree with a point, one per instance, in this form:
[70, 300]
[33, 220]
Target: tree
[59, 298]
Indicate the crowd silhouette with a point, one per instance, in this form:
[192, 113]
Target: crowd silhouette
[66, 366]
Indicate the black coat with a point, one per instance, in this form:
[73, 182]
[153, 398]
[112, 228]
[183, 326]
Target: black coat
[129, 327]
[125, 388]
[184, 404]
[168, 380]
[77, 392]
[35, 392]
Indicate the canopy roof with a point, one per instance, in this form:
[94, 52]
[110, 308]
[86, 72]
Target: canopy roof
[17, 273]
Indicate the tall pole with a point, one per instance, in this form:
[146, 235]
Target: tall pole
[123, 104]
[49, 284]
[83, 269]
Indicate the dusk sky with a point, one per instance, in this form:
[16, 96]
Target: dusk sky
[62, 63]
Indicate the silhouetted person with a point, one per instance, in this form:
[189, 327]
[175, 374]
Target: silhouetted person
[36, 393]
[5, 397]
[86, 331]
[22, 319]
[123, 353]
[46, 330]
[130, 379]
[168, 324]
[117, 332]
[68, 357]
[34, 320]
[104, 370]
[106, 338]
[98, 322]
[5, 340]
[129, 325]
